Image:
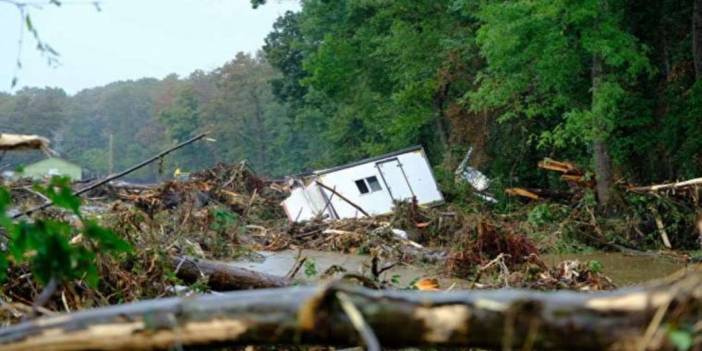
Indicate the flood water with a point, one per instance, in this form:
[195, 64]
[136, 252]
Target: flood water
[280, 263]
[623, 269]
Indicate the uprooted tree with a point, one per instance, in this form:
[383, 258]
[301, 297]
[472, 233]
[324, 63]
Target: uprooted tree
[661, 316]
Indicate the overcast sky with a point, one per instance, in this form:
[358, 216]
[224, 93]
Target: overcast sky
[131, 39]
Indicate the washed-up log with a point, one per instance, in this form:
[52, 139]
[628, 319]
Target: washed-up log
[225, 277]
[635, 318]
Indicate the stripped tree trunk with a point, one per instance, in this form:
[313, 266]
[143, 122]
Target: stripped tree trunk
[629, 319]
[603, 163]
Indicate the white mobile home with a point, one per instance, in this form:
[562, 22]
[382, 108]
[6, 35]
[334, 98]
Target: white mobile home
[371, 185]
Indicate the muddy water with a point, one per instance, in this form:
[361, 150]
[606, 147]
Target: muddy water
[622, 269]
[280, 263]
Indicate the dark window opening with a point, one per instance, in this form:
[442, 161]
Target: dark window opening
[374, 183]
[362, 187]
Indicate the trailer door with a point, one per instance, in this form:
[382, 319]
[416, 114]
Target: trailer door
[395, 179]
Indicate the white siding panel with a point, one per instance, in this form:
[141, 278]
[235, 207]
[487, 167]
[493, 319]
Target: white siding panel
[344, 182]
[413, 175]
[420, 177]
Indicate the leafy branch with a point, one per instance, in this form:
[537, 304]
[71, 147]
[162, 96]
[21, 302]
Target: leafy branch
[54, 250]
[26, 24]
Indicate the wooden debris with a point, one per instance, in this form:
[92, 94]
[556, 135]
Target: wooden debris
[16, 142]
[569, 172]
[522, 193]
[359, 208]
[538, 194]
[661, 227]
[635, 318]
[558, 166]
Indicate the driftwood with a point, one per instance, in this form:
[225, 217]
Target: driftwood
[631, 319]
[225, 277]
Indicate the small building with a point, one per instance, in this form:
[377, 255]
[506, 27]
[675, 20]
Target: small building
[372, 185]
[53, 166]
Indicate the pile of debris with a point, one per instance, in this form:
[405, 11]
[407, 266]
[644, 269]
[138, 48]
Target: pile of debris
[486, 242]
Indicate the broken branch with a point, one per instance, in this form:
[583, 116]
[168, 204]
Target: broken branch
[114, 176]
[343, 198]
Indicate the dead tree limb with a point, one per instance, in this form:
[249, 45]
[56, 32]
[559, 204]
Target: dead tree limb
[225, 277]
[635, 318]
[115, 176]
[359, 208]
[676, 185]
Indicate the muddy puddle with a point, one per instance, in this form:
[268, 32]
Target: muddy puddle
[623, 269]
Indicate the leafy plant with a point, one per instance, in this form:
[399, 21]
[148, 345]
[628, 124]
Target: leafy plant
[540, 215]
[223, 220]
[54, 249]
[682, 339]
[595, 266]
[310, 268]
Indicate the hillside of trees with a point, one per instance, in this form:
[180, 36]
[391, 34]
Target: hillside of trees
[611, 85]
[110, 128]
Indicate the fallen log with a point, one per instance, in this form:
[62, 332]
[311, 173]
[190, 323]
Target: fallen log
[635, 318]
[221, 276]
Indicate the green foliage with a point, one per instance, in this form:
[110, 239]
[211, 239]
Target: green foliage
[681, 339]
[540, 215]
[223, 219]
[595, 266]
[310, 268]
[45, 244]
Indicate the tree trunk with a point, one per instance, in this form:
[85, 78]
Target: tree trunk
[603, 170]
[225, 277]
[697, 37]
[639, 317]
[603, 163]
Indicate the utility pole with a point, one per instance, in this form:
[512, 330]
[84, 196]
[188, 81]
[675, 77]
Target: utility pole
[111, 154]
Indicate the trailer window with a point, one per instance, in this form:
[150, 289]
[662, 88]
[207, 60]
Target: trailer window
[374, 184]
[362, 187]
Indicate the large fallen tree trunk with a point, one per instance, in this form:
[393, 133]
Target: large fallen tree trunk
[224, 277]
[636, 318]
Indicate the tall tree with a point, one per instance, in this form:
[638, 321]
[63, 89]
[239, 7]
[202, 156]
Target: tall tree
[571, 61]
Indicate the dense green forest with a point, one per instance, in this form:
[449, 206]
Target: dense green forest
[110, 128]
[610, 84]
